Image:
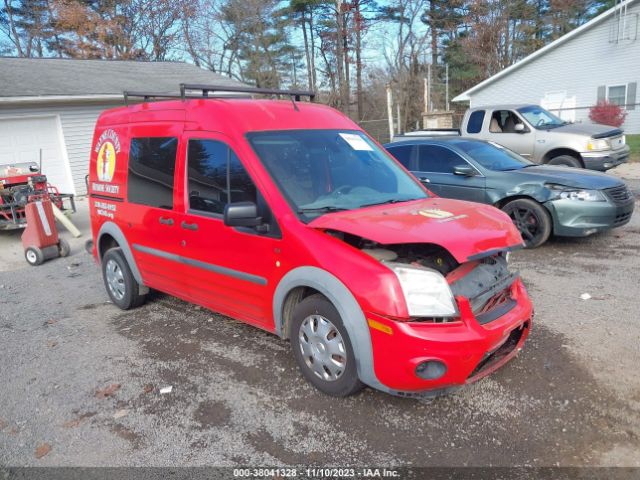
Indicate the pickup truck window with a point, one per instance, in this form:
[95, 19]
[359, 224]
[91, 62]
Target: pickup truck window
[493, 157]
[320, 171]
[475, 121]
[437, 159]
[504, 121]
[540, 118]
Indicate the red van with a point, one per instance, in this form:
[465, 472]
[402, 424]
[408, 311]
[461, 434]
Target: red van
[286, 215]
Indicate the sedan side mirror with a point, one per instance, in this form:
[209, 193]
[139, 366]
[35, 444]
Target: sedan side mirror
[464, 170]
[520, 128]
[241, 214]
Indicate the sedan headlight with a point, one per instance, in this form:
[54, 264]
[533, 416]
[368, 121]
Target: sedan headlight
[570, 193]
[426, 291]
[597, 144]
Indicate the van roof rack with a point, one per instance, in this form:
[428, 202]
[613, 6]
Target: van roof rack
[295, 95]
[206, 89]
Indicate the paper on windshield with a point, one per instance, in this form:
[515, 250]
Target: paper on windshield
[356, 141]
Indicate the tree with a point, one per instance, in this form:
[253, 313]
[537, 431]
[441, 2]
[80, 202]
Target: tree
[260, 39]
[305, 11]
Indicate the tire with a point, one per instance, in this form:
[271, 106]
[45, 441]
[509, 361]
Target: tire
[566, 161]
[34, 256]
[122, 287]
[88, 246]
[64, 249]
[532, 220]
[339, 381]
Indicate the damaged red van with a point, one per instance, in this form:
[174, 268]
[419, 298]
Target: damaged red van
[286, 215]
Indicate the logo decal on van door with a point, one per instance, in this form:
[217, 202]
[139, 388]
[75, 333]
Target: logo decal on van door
[108, 147]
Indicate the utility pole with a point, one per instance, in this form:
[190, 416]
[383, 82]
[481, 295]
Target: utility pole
[446, 69]
[426, 95]
[429, 88]
[390, 110]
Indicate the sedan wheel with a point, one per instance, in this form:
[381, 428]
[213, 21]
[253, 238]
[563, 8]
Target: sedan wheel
[531, 219]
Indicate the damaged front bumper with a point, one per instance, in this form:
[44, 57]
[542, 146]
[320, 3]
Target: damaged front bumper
[491, 328]
[580, 219]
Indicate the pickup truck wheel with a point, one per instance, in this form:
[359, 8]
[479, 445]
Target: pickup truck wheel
[322, 348]
[122, 287]
[531, 219]
[565, 160]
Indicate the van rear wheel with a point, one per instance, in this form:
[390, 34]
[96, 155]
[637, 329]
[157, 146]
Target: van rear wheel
[122, 287]
[322, 348]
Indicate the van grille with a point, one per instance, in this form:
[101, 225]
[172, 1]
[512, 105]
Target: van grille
[619, 195]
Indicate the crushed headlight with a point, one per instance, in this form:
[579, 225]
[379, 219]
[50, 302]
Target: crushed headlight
[426, 291]
[596, 144]
[570, 193]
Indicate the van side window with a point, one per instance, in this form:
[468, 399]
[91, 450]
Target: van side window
[152, 163]
[216, 177]
[475, 121]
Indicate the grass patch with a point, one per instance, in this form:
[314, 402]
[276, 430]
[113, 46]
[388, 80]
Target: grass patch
[634, 144]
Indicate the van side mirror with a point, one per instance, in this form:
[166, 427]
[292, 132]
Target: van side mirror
[241, 214]
[520, 128]
[464, 170]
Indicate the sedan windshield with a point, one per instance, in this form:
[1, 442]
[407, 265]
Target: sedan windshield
[321, 171]
[493, 156]
[541, 118]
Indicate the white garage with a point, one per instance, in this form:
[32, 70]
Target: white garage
[52, 104]
[37, 139]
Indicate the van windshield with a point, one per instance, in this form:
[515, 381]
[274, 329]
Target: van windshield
[321, 171]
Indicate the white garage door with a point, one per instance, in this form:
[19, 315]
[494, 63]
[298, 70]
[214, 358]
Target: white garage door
[22, 138]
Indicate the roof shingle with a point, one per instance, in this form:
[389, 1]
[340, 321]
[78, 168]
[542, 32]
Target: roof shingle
[26, 77]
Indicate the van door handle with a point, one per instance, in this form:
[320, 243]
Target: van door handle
[424, 179]
[189, 226]
[166, 221]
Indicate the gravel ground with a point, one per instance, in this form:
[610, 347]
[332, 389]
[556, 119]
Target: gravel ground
[83, 378]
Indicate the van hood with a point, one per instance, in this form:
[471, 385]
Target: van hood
[467, 230]
[588, 129]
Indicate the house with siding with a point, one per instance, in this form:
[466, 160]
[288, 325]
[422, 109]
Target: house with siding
[599, 60]
[49, 107]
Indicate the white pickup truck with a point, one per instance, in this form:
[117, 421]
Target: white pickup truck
[542, 137]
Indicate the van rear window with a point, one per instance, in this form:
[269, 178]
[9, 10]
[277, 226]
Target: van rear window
[152, 163]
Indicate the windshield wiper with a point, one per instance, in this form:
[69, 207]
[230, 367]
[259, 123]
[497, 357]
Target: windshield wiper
[328, 208]
[393, 200]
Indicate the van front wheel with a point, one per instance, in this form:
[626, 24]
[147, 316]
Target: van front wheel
[322, 348]
[122, 287]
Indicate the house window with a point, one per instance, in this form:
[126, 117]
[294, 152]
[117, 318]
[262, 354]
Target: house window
[617, 94]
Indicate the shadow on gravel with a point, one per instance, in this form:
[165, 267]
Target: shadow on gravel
[232, 381]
